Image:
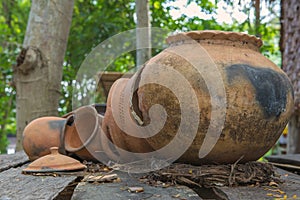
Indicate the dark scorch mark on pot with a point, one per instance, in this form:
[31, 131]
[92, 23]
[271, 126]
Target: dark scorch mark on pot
[57, 124]
[271, 87]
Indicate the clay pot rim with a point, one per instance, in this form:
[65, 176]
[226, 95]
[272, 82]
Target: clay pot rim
[214, 34]
[95, 131]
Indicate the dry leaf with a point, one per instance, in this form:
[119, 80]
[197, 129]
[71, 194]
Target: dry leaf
[101, 178]
[136, 189]
[280, 191]
[277, 195]
[164, 185]
[273, 184]
[117, 180]
[106, 169]
[176, 195]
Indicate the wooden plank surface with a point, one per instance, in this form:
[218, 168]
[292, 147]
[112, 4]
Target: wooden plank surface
[291, 183]
[119, 190]
[12, 160]
[290, 187]
[15, 185]
[291, 159]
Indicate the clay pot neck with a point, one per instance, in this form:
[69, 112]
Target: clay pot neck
[210, 37]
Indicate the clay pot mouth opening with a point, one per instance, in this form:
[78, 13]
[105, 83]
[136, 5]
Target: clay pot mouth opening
[81, 128]
[206, 35]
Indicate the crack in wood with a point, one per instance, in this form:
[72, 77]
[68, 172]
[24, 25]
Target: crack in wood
[67, 193]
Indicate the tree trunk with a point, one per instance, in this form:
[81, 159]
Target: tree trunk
[38, 73]
[257, 18]
[143, 33]
[290, 48]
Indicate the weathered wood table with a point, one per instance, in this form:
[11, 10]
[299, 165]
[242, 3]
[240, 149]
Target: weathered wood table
[15, 185]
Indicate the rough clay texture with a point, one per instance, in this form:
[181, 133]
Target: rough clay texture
[259, 96]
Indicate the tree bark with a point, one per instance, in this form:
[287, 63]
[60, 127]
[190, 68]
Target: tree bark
[38, 72]
[257, 18]
[290, 48]
[143, 33]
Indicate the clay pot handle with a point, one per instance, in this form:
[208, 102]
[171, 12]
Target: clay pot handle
[54, 150]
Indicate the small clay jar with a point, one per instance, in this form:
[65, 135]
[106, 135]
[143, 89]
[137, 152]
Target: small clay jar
[41, 134]
[82, 134]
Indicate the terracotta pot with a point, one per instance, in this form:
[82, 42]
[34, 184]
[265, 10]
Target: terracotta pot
[41, 134]
[244, 99]
[113, 131]
[82, 133]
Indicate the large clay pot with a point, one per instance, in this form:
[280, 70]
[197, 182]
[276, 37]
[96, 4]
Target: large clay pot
[258, 97]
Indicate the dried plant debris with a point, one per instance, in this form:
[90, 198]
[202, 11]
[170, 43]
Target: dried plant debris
[100, 178]
[135, 189]
[251, 173]
[53, 174]
[96, 167]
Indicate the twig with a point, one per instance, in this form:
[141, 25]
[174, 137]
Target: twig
[232, 170]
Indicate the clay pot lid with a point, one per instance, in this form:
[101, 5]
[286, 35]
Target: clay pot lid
[212, 34]
[54, 162]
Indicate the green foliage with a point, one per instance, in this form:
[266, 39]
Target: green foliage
[96, 20]
[13, 20]
[92, 23]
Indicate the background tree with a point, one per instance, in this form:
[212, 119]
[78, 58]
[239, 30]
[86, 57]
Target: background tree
[13, 18]
[92, 23]
[38, 73]
[257, 17]
[290, 47]
[143, 33]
